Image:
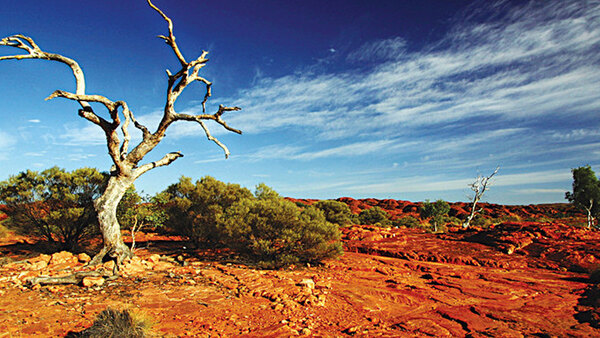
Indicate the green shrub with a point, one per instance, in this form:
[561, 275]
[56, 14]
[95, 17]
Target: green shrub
[337, 212]
[407, 221]
[435, 212]
[274, 232]
[453, 221]
[374, 216]
[481, 221]
[135, 212]
[264, 227]
[55, 204]
[196, 210]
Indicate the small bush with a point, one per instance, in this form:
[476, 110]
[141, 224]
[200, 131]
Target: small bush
[435, 212]
[337, 212]
[275, 233]
[135, 212]
[481, 221]
[407, 221]
[264, 227]
[196, 210]
[374, 216]
[117, 324]
[55, 204]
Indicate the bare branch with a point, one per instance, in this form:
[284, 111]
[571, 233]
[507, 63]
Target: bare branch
[212, 138]
[166, 160]
[479, 187]
[170, 40]
[34, 52]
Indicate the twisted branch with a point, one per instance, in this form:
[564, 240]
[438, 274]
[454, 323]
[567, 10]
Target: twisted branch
[179, 81]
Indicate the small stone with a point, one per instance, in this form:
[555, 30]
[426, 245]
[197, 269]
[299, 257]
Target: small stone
[155, 258]
[162, 266]
[307, 283]
[38, 265]
[92, 281]
[110, 265]
[83, 257]
[62, 257]
[41, 258]
[305, 332]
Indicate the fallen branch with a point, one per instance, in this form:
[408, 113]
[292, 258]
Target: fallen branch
[75, 278]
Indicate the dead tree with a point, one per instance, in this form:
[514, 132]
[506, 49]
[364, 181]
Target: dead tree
[478, 187]
[127, 163]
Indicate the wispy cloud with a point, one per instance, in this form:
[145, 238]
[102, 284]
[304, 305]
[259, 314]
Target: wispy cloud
[6, 142]
[540, 191]
[534, 61]
[441, 184]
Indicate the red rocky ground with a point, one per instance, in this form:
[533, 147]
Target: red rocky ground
[511, 280]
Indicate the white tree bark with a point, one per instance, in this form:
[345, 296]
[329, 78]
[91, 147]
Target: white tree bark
[479, 187]
[127, 167]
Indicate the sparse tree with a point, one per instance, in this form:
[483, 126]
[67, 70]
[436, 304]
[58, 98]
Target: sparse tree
[127, 162]
[434, 211]
[55, 204]
[375, 216]
[136, 212]
[586, 193]
[479, 187]
[337, 212]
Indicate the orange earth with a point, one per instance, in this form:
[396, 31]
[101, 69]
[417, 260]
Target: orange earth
[511, 280]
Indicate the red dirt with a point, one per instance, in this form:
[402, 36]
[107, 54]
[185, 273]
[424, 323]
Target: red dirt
[511, 280]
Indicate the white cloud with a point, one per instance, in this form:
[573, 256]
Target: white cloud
[348, 150]
[6, 140]
[34, 121]
[440, 184]
[385, 49]
[532, 61]
[540, 191]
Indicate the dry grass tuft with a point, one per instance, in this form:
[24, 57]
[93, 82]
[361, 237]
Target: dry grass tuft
[112, 323]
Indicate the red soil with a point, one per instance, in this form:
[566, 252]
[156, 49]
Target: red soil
[512, 280]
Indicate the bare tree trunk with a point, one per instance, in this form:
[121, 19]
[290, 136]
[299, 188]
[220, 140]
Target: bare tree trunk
[106, 207]
[127, 167]
[590, 218]
[479, 187]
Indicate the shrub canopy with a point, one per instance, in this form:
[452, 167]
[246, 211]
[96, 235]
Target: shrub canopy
[54, 204]
[375, 216]
[263, 227]
[337, 212]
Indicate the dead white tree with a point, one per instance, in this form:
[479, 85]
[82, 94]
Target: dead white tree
[127, 163]
[479, 187]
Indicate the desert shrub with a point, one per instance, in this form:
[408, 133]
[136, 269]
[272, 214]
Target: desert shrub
[117, 324]
[3, 231]
[407, 221]
[453, 221]
[375, 216]
[274, 232]
[481, 221]
[508, 218]
[435, 212]
[55, 204]
[264, 227]
[196, 209]
[337, 212]
[135, 212]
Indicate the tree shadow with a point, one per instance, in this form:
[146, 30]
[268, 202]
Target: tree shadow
[588, 306]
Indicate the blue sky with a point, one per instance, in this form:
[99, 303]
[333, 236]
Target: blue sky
[388, 99]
